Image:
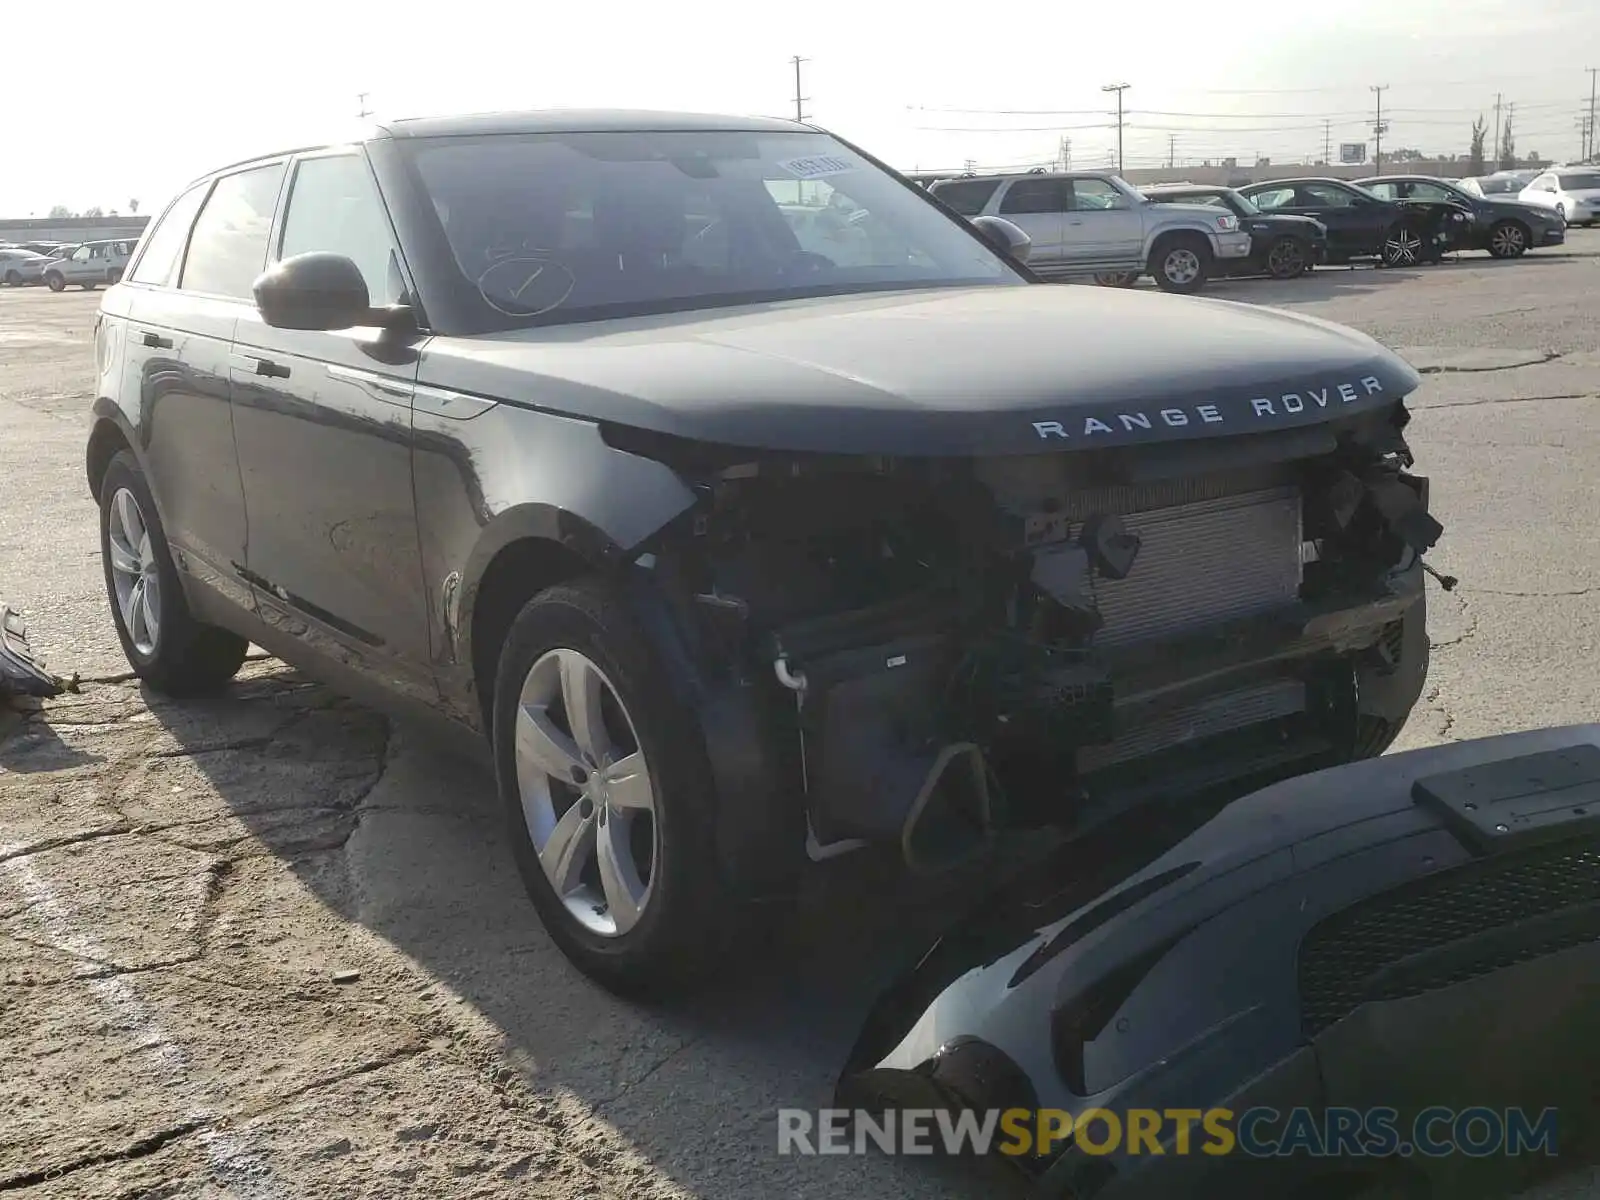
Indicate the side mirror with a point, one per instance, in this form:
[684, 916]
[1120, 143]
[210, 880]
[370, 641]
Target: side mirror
[316, 290]
[1006, 238]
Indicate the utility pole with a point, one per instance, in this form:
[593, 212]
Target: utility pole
[1327, 142]
[1066, 154]
[1172, 149]
[1495, 149]
[1378, 127]
[799, 100]
[1118, 88]
[365, 112]
[1589, 153]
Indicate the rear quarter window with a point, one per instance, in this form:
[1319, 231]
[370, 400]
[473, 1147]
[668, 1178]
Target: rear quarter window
[163, 245]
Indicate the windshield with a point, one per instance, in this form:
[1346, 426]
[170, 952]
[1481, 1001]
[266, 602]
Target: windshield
[1581, 181]
[548, 228]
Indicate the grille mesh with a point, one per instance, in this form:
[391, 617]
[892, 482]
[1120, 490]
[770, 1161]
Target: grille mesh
[1208, 718]
[1341, 956]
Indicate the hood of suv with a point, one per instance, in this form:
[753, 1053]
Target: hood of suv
[952, 372]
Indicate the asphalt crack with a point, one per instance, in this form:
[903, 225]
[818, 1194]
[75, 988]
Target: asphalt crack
[625, 1089]
[140, 1148]
[23, 850]
[1423, 407]
[1445, 369]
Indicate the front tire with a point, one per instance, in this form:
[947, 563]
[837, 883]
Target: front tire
[163, 642]
[1181, 264]
[1403, 246]
[1508, 239]
[1117, 279]
[55, 282]
[607, 792]
[1288, 258]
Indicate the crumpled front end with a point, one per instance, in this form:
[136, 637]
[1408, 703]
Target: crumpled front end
[915, 651]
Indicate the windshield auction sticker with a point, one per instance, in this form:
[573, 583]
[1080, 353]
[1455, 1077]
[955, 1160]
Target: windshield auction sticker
[817, 166]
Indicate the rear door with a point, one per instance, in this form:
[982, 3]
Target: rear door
[1038, 206]
[1356, 225]
[324, 427]
[1103, 227]
[184, 297]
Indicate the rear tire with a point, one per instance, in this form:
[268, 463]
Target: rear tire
[661, 934]
[164, 644]
[1181, 263]
[13, 279]
[1117, 279]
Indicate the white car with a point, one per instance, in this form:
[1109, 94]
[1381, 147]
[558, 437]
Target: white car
[1574, 192]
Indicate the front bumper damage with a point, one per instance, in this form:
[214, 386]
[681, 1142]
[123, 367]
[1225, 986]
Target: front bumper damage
[21, 674]
[917, 653]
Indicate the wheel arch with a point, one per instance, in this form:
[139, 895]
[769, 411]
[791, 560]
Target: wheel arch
[1166, 237]
[523, 551]
[110, 433]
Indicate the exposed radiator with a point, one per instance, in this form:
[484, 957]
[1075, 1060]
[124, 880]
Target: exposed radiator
[1205, 718]
[1205, 562]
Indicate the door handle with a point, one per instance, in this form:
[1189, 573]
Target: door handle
[272, 370]
[156, 342]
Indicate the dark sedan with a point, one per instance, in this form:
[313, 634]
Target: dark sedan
[1502, 225]
[1361, 224]
[1281, 245]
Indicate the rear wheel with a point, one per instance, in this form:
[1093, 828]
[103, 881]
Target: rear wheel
[607, 792]
[1121, 279]
[13, 279]
[1508, 240]
[1181, 264]
[1288, 258]
[1402, 245]
[165, 645]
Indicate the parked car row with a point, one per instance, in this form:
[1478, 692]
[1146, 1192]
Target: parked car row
[87, 264]
[1094, 224]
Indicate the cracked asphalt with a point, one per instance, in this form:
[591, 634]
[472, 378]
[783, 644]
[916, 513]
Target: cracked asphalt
[271, 945]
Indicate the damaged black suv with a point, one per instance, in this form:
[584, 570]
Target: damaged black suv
[752, 505]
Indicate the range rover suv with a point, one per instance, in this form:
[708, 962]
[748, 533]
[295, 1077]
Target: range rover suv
[749, 505]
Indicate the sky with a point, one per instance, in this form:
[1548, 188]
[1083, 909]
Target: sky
[192, 86]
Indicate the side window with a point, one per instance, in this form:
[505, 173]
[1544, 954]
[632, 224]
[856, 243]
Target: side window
[1274, 198]
[82, 253]
[1324, 196]
[1096, 195]
[967, 196]
[1388, 191]
[228, 248]
[334, 206]
[1035, 196]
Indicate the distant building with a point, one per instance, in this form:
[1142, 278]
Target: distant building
[72, 229]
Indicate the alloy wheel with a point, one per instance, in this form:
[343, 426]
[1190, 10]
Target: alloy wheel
[1507, 241]
[1403, 248]
[134, 574]
[1181, 266]
[1286, 260]
[588, 796]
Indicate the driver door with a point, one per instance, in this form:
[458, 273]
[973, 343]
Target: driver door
[323, 425]
[1103, 227]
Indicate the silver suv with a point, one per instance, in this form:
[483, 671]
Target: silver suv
[1089, 223]
[90, 265]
